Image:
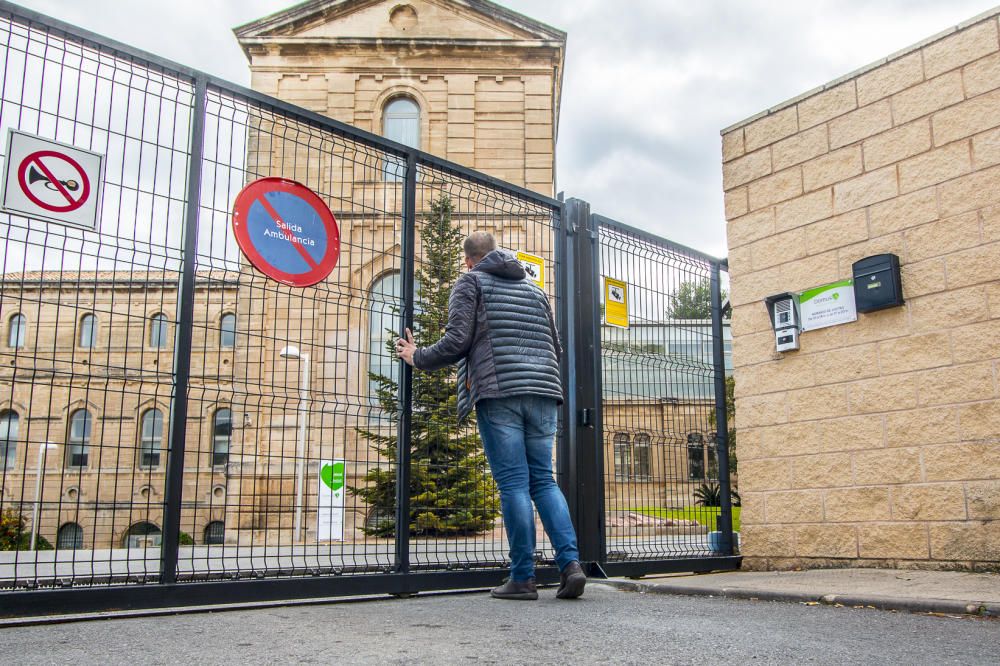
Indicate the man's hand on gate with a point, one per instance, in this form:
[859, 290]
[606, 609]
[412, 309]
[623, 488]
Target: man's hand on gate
[405, 347]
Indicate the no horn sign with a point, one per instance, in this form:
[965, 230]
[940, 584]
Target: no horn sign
[286, 231]
[51, 181]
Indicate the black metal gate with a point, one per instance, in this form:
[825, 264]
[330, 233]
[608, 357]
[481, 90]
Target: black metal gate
[168, 415]
[651, 443]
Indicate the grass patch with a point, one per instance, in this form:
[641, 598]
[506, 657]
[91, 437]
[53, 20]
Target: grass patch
[704, 515]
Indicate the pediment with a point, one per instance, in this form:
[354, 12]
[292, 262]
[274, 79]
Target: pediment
[398, 19]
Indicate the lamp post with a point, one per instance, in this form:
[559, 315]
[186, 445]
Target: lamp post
[293, 352]
[43, 449]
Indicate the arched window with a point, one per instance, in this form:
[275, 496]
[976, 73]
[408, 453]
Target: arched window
[380, 519]
[227, 330]
[88, 331]
[78, 444]
[151, 438]
[143, 535]
[623, 456]
[401, 123]
[696, 456]
[70, 537]
[215, 533]
[17, 331]
[9, 424]
[222, 434]
[158, 331]
[383, 319]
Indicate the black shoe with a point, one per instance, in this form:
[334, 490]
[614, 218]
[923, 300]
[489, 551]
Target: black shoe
[572, 580]
[520, 590]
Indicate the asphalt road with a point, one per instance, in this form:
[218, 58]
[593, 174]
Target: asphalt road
[605, 626]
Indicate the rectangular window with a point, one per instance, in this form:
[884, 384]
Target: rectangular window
[623, 462]
[8, 453]
[77, 456]
[642, 465]
[696, 461]
[713, 462]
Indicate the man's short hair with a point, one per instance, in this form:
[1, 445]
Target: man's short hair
[479, 244]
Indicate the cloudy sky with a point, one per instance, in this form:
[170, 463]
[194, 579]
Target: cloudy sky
[649, 83]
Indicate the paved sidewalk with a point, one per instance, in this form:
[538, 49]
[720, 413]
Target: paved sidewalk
[889, 589]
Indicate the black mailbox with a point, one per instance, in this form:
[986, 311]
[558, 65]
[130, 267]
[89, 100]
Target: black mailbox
[877, 284]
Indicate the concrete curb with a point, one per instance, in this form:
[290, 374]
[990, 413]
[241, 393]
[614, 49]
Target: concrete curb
[908, 604]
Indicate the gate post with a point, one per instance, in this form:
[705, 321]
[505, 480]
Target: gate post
[584, 383]
[725, 522]
[565, 311]
[173, 493]
[403, 430]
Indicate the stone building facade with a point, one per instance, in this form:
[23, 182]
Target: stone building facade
[878, 442]
[86, 365]
[473, 82]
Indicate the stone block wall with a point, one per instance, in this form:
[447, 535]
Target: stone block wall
[878, 442]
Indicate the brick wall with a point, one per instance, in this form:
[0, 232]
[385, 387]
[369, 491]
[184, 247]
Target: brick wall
[878, 442]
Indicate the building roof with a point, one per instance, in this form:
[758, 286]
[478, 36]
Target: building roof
[117, 277]
[295, 18]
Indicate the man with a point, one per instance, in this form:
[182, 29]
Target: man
[501, 333]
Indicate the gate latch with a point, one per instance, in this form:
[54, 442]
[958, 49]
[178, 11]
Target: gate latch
[587, 417]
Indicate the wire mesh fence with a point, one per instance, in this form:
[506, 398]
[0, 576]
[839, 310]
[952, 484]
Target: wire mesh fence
[289, 391]
[90, 315]
[168, 413]
[661, 472]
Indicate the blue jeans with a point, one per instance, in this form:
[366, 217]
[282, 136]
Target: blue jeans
[517, 435]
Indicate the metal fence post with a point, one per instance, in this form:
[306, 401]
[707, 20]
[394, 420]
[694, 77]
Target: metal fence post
[586, 443]
[403, 430]
[565, 471]
[725, 522]
[182, 343]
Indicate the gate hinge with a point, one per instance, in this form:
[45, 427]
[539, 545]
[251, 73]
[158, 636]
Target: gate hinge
[587, 417]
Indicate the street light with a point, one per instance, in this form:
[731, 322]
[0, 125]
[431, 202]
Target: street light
[292, 352]
[43, 449]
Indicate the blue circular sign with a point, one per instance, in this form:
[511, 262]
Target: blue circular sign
[286, 231]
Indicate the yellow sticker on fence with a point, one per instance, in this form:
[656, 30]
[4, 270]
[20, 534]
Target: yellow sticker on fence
[534, 267]
[615, 303]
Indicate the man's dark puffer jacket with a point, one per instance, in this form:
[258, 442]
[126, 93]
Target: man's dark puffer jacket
[501, 333]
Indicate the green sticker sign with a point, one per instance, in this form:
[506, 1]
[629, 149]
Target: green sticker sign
[333, 475]
[330, 504]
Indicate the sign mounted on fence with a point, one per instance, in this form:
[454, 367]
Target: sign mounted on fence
[330, 505]
[52, 181]
[829, 305]
[615, 303]
[534, 267]
[286, 231]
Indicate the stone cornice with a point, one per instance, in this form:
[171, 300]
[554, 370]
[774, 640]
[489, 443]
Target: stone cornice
[413, 43]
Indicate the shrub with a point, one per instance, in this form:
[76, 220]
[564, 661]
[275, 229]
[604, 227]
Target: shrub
[13, 536]
[710, 494]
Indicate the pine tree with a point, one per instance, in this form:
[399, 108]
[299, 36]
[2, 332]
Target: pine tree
[451, 492]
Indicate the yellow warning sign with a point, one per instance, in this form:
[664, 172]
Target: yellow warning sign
[534, 267]
[615, 303]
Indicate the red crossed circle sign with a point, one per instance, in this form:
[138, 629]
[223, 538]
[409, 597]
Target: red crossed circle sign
[286, 231]
[52, 158]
